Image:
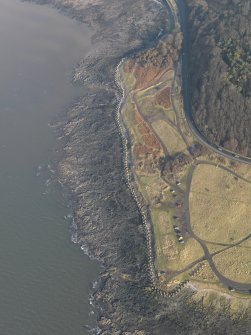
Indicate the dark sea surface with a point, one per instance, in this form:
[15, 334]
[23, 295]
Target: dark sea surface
[45, 279]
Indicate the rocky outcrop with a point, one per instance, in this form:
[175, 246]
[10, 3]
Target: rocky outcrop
[90, 166]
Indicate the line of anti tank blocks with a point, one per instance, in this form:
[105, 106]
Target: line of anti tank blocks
[197, 269]
[150, 266]
[173, 291]
[128, 178]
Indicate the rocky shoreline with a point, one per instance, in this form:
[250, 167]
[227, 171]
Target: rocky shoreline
[107, 218]
[127, 159]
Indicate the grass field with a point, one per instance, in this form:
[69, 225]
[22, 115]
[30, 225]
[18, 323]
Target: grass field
[169, 136]
[220, 208]
[235, 264]
[128, 113]
[188, 253]
[166, 246]
[154, 188]
[219, 201]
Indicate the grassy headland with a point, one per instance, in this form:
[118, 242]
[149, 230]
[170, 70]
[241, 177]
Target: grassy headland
[197, 198]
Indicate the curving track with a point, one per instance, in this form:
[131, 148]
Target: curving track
[240, 287]
[179, 11]
[186, 93]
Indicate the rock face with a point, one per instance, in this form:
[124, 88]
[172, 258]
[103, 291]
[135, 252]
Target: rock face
[91, 167]
[220, 70]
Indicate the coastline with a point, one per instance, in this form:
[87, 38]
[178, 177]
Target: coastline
[120, 296]
[127, 160]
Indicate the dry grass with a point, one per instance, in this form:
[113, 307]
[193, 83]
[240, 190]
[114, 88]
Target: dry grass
[244, 170]
[168, 76]
[182, 120]
[148, 137]
[189, 252]
[219, 205]
[147, 106]
[169, 136]
[235, 264]
[154, 188]
[129, 79]
[206, 274]
[214, 247]
[166, 245]
[210, 296]
[151, 109]
[128, 112]
[246, 244]
[163, 98]
[170, 255]
[169, 112]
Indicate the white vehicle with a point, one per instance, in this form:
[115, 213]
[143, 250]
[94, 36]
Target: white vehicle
[219, 148]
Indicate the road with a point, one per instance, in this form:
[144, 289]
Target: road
[240, 287]
[186, 93]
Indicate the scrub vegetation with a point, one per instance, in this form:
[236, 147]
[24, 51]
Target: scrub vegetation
[197, 199]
